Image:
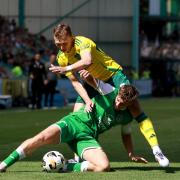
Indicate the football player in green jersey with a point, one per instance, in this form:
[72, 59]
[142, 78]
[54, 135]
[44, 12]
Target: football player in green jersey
[81, 130]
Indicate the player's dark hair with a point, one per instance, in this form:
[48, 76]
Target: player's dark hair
[62, 30]
[128, 93]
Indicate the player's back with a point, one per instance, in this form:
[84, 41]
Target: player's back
[103, 66]
[105, 114]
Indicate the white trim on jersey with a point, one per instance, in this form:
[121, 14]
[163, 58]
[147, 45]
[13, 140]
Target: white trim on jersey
[104, 88]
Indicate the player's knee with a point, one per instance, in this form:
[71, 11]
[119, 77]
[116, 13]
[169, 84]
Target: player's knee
[103, 167]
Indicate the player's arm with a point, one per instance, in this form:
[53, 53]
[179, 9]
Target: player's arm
[128, 144]
[102, 87]
[82, 92]
[86, 76]
[84, 62]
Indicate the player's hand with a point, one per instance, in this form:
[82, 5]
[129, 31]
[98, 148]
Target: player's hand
[57, 69]
[89, 106]
[138, 159]
[84, 74]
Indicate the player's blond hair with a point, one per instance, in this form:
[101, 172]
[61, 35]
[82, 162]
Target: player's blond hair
[61, 31]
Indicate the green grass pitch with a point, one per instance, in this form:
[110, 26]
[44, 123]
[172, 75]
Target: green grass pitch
[18, 125]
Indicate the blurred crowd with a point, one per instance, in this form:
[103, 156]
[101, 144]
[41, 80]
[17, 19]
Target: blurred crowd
[27, 55]
[24, 55]
[164, 50]
[163, 59]
[166, 47]
[18, 47]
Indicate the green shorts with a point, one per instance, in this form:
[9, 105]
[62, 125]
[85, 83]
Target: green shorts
[116, 80]
[77, 134]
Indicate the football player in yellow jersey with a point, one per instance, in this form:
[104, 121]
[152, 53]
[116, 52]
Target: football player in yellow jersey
[77, 53]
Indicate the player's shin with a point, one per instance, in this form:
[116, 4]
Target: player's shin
[147, 129]
[12, 158]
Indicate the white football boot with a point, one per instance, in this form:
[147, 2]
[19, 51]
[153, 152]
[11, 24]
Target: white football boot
[161, 159]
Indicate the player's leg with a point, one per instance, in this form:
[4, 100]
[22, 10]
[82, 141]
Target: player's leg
[95, 160]
[91, 152]
[78, 105]
[50, 135]
[148, 131]
[98, 161]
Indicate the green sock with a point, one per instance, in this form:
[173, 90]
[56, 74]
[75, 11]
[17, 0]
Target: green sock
[75, 167]
[12, 158]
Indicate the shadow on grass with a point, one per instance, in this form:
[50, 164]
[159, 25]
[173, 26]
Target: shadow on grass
[150, 168]
[25, 171]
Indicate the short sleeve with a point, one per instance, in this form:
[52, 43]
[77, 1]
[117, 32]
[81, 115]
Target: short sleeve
[86, 46]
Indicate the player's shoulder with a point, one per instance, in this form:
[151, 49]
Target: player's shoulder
[82, 39]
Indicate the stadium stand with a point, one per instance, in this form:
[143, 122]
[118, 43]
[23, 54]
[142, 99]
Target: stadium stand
[18, 46]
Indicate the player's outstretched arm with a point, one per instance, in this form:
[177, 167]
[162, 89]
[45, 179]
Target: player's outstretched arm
[82, 92]
[86, 76]
[128, 144]
[84, 62]
[102, 87]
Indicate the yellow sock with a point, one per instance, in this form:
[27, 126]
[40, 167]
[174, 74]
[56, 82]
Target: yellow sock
[147, 130]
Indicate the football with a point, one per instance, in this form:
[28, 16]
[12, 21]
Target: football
[53, 161]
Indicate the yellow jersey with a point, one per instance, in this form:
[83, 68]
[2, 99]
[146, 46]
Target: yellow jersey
[103, 67]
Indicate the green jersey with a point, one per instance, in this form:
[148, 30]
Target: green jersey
[104, 115]
[81, 129]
